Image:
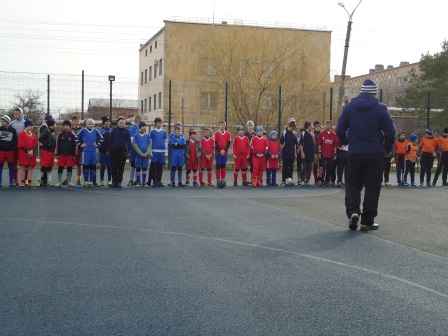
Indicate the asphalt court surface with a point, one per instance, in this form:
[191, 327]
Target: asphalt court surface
[209, 261]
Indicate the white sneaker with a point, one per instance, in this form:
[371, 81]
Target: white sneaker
[71, 185]
[57, 185]
[387, 184]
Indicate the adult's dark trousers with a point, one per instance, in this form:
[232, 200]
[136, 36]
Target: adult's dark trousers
[288, 168]
[387, 165]
[342, 165]
[364, 170]
[118, 160]
[426, 163]
[442, 164]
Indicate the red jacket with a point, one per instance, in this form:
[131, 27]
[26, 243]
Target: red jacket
[259, 145]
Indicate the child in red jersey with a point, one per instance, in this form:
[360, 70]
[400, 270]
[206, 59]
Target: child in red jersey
[241, 153]
[222, 144]
[259, 148]
[206, 146]
[274, 153]
[27, 143]
[192, 156]
[327, 144]
[400, 156]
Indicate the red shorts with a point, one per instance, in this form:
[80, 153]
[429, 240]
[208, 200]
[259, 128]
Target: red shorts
[272, 163]
[7, 157]
[206, 164]
[66, 161]
[192, 165]
[46, 158]
[26, 161]
[259, 163]
[240, 161]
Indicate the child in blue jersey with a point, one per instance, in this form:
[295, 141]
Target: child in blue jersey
[177, 145]
[158, 139]
[89, 139]
[104, 157]
[133, 130]
[172, 134]
[140, 143]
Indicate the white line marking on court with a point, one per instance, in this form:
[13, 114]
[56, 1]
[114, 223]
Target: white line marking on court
[303, 255]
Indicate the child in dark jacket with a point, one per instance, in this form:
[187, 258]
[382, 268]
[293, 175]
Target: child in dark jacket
[66, 152]
[119, 149]
[47, 147]
[8, 144]
[307, 143]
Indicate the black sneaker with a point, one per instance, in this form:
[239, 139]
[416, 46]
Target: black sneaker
[172, 184]
[246, 184]
[137, 184]
[353, 222]
[95, 184]
[180, 184]
[235, 184]
[445, 184]
[187, 184]
[65, 182]
[131, 183]
[195, 184]
[118, 185]
[374, 226]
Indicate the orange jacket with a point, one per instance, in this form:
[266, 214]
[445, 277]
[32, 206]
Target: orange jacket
[429, 145]
[400, 146]
[443, 143]
[411, 150]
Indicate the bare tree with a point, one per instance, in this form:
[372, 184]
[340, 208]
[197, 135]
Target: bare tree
[255, 63]
[31, 104]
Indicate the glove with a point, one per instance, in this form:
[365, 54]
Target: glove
[320, 155]
[335, 156]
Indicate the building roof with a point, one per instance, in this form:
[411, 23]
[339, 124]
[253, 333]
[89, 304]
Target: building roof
[116, 103]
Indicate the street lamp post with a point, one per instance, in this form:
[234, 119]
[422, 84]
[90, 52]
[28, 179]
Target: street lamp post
[111, 79]
[344, 62]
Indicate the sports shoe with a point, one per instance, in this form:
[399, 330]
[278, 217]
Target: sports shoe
[259, 184]
[246, 184]
[12, 185]
[319, 183]
[30, 184]
[307, 183]
[180, 184]
[274, 184]
[71, 185]
[78, 183]
[421, 184]
[429, 184]
[330, 184]
[413, 184]
[444, 184]
[130, 183]
[187, 184]
[195, 184]
[65, 182]
[87, 185]
[339, 184]
[434, 183]
[172, 184]
[235, 184]
[58, 185]
[160, 184]
[374, 226]
[387, 184]
[101, 183]
[283, 183]
[49, 184]
[405, 184]
[22, 184]
[38, 183]
[137, 184]
[109, 183]
[254, 184]
[353, 222]
[203, 184]
[210, 185]
[95, 184]
[118, 185]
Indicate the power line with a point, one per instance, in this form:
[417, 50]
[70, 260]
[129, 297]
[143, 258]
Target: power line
[76, 24]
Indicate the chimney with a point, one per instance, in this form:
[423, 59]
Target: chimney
[403, 63]
[390, 67]
[379, 67]
[371, 71]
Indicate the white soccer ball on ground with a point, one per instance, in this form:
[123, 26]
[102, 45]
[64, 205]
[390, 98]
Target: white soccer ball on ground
[289, 182]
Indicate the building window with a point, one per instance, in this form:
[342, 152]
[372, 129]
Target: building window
[209, 67]
[160, 67]
[155, 102]
[150, 49]
[141, 79]
[267, 103]
[155, 45]
[155, 69]
[149, 104]
[209, 100]
[146, 76]
[146, 52]
[346, 91]
[145, 106]
[160, 100]
[400, 82]
[241, 71]
[150, 73]
[141, 106]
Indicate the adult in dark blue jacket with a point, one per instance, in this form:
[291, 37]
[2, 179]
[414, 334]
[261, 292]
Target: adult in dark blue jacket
[371, 133]
[118, 149]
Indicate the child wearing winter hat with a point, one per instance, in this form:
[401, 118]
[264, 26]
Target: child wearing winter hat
[411, 159]
[8, 144]
[192, 157]
[259, 148]
[140, 143]
[47, 148]
[89, 139]
[400, 153]
[288, 140]
[65, 152]
[27, 143]
[105, 161]
[428, 148]
[274, 154]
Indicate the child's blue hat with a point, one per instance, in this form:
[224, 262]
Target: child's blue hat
[413, 137]
[141, 124]
[272, 133]
[259, 128]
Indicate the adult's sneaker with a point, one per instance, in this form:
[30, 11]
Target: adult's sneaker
[353, 222]
[444, 184]
[374, 226]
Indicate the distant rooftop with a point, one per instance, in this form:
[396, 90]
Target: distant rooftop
[240, 22]
[116, 103]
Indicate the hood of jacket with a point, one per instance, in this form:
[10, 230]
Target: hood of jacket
[364, 101]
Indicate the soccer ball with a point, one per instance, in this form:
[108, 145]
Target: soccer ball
[221, 183]
[289, 182]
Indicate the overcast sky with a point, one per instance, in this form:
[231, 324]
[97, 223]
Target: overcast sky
[103, 37]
